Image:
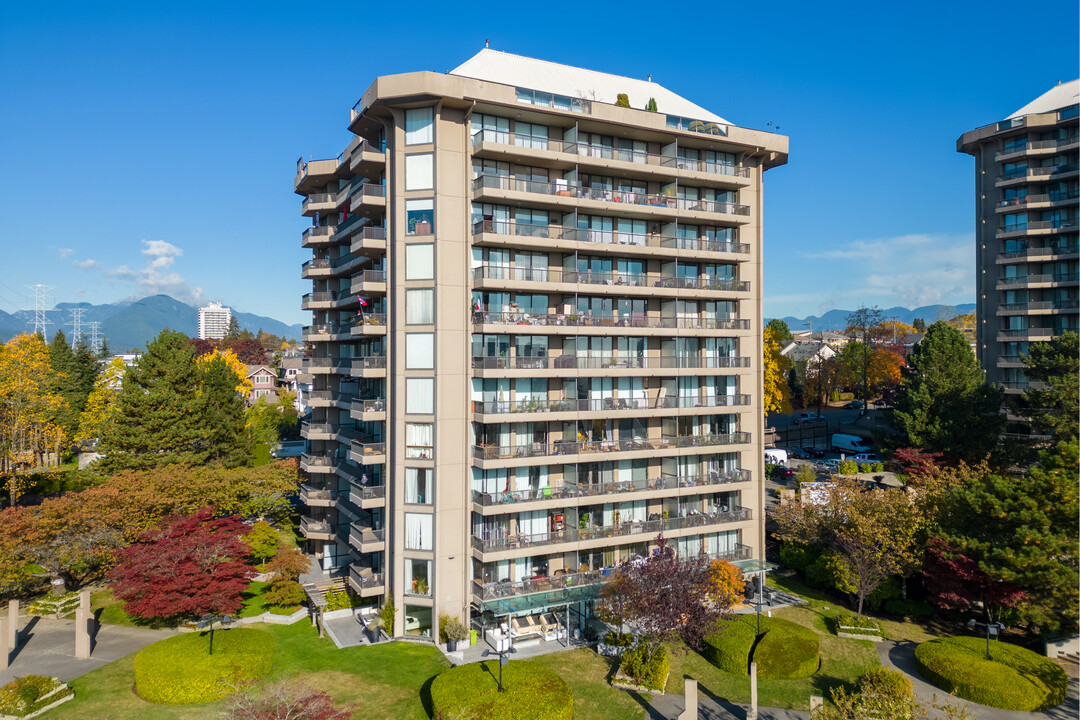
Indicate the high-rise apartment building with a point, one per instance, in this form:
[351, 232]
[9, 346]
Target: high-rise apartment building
[214, 321]
[1026, 186]
[536, 337]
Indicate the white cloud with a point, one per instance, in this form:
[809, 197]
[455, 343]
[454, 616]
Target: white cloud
[151, 278]
[64, 252]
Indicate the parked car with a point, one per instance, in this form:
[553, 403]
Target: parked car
[776, 456]
[867, 458]
[813, 452]
[854, 405]
[806, 418]
[781, 472]
[849, 443]
[828, 466]
[799, 453]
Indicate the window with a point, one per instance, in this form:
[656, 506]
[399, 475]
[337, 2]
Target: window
[490, 128]
[418, 577]
[419, 126]
[419, 440]
[419, 262]
[418, 531]
[419, 217]
[420, 395]
[420, 351]
[531, 136]
[417, 621]
[418, 486]
[419, 307]
[419, 171]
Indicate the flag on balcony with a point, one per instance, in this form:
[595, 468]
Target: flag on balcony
[345, 211]
[362, 301]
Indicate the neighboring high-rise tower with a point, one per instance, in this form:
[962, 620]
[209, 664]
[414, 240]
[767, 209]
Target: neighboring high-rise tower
[214, 321]
[1025, 233]
[536, 338]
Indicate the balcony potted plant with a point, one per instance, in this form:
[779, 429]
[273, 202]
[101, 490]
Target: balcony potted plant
[373, 627]
[455, 632]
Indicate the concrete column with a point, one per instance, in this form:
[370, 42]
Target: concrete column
[690, 713]
[11, 637]
[84, 600]
[82, 633]
[4, 652]
[753, 714]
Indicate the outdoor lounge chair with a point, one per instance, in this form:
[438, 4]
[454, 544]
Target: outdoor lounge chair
[551, 626]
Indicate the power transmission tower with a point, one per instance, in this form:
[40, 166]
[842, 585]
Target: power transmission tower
[76, 325]
[95, 339]
[41, 319]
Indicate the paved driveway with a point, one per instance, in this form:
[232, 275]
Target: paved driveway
[47, 647]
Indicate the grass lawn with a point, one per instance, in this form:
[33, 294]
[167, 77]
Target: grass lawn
[822, 605]
[587, 675]
[385, 681]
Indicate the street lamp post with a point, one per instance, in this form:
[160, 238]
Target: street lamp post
[207, 621]
[992, 628]
[502, 649]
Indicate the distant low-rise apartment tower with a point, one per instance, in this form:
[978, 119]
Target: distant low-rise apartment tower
[1026, 228]
[214, 321]
[536, 338]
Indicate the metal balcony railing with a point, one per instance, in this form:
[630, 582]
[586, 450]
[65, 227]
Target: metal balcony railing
[582, 362]
[629, 321]
[562, 448]
[563, 492]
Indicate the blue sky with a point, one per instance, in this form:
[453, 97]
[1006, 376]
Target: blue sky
[151, 147]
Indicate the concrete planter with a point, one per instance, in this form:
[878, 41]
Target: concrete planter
[272, 619]
[624, 683]
[41, 711]
[334, 614]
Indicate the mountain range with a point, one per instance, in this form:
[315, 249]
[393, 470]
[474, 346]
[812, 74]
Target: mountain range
[130, 324]
[837, 319]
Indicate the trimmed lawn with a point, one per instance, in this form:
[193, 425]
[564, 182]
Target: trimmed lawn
[385, 681]
[587, 675]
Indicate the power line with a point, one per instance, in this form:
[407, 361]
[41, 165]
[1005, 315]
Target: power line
[41, 319]
[95, 340]
[76, 324]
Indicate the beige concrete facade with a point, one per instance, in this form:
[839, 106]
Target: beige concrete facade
[1026, 191]
[559, 351]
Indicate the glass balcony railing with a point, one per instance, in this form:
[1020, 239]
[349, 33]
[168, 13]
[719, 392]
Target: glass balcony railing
[563, 448]
[616, 362]
[586, 490]
[608, 237]
[615, 280]
[626, 321]
[534, 405]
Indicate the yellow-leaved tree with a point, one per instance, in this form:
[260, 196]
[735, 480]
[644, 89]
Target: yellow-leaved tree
[243, 384]
[28, 409]
[100, 411]
[777, 395]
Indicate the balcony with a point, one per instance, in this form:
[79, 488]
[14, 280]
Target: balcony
[1035, 227]
[316, 497]
[1035, 174]
[325, 333]
[509, 277]
[367, 195]
[1015, 387]
[1035, 253]
[1029, 334]
[369, 324]
[559, 237]
[318, 202]
[373, 366]
[368, 409]
[573, 493]
[327, 366]
[369, 240]
[317, 431]
[566, 583]
[368, 453]
[1034, 146]
[648, 528]
[367, 496]
[325, 267]
[367, 158]
[317, 236]
[608, 364]
[367, 540]
[565, 449]
[316, 529]
[318, 464]
[628, 405]
[366, 582]
[1011, 361]
[630, 322]
[328, 398]
[1023, 281]
[368, 281]
[334, 300]
[650, 203]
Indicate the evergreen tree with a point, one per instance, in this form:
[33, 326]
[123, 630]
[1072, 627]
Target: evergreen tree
[919, 324]
[1056, 364]
[65, 382]
[781, 332]
[86, 368]
[220, 410]
[104, 352]
[156, 420]
[945, 404]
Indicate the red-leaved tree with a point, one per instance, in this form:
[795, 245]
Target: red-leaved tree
[184, 567]
[916, 464]
[665, 597]
[955, 582]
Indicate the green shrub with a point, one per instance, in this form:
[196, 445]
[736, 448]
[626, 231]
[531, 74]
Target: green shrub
[882, 681]
[651, 105]
[887, 590]
[784, 650]
[830, 571]
[878, 467]
[387, 615]
[25, 695]
[285, 593]
[729, 648]
[533, 692]
[866, 468]
[908, 608]
[650, 672]
[623, 100]
[787, 650]
[847, 467]
[1013, 679]
[180, 670]
[618, 639]
[340, 599]
[798, 556]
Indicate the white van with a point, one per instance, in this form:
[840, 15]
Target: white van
[849, 443]
[776, 456]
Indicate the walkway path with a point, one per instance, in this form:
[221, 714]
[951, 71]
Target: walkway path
[47, 647]
[711, 707]
[901, 656]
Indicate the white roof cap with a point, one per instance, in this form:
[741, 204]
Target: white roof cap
[1057, 97]
[525, 72]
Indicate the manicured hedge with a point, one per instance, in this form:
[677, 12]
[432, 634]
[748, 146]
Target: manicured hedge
[533, 692]
[729, 649]
[1013, 679]
[180, 670]
[785, 650]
